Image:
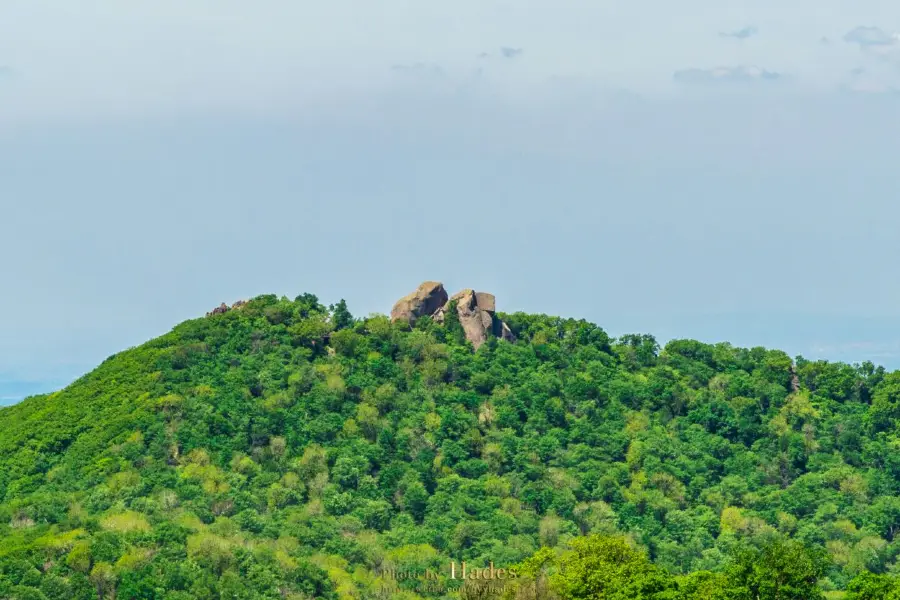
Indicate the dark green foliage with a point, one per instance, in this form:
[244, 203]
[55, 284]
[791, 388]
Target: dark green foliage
[341, 316]
[286, 450]
[780, 570]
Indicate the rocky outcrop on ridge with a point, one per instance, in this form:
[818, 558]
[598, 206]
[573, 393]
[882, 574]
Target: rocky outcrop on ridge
[476, 311]
[428, 298]
[221, 309]
[224, 308]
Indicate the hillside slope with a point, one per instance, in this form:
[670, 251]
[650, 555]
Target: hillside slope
[287, 450]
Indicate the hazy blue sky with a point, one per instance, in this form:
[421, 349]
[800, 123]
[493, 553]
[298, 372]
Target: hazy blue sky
[718, 170]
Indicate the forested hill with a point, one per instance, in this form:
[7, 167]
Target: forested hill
[284, 449]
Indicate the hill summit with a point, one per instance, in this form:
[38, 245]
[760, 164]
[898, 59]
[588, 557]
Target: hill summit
[285, 449]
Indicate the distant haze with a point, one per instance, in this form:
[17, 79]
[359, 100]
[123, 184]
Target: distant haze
[727, 177]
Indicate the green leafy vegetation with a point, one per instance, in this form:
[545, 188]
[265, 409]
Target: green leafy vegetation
[288, 450]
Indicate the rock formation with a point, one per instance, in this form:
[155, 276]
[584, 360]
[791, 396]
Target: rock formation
[476, 311]
[426, 300]
[486, 301]
[795, 380]
[223, 308]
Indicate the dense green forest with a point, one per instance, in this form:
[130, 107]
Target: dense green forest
[286, 449]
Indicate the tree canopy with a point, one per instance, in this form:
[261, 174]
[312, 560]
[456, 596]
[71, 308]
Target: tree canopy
[287, 449]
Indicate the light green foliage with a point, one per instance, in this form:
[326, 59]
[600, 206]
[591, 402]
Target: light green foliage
[608, 568]
[126, 522]
[869, 586]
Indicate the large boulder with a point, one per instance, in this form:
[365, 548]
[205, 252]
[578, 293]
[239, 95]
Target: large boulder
[486, 301]
[476, 323]
[425, 301]
[476, 315]
[506, 333]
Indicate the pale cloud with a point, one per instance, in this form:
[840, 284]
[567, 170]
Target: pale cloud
[505, 52]
[169, 57]
[880, 57]
[741, 34]
[725, 75]
[877, 43]
[871, 36]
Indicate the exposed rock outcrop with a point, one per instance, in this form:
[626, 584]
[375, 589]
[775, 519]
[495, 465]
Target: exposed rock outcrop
[426, 300]
[476, 311]
[476, 322]
[224, 308]
[486, 301]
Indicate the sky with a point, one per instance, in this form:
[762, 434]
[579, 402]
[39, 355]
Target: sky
[724, 171]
